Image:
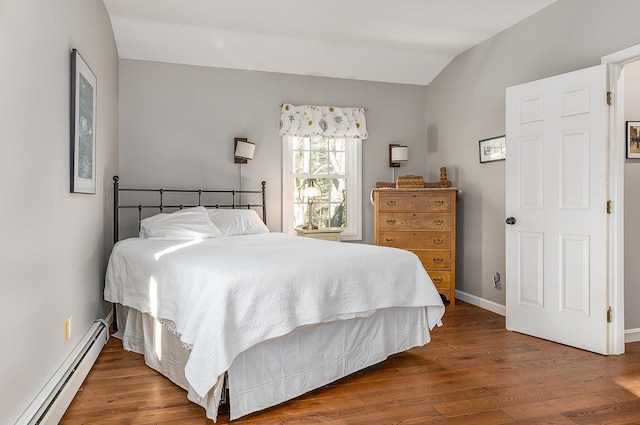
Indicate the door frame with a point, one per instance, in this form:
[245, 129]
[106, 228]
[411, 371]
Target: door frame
[616, 130]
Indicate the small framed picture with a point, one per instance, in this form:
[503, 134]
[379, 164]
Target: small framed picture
[493, 149]
[83, 126]
[633, 139]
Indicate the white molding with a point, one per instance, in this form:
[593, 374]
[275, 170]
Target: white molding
[482, 303]
[623, 57]
[109, 318]
[615, 63]
[632, 335]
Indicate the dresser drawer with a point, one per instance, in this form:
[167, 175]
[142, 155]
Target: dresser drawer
[441, 279]
[416, 240]
[434, 260]
[414, 221]
[413, 202]
[448, 293]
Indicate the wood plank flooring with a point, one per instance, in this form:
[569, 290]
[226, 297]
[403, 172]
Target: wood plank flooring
[472, 372]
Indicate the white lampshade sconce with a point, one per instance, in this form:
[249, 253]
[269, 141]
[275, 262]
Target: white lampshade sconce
[308, 193]
[243, 151]
[398, 155]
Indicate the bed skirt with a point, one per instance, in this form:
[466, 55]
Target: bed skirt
[282, 368]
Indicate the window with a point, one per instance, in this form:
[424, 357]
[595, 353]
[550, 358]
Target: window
[335, 163]
[323, 143]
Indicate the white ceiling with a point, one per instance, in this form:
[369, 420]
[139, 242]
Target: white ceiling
[399, 41]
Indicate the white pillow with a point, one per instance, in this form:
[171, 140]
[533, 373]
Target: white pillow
[237, 222]
[189, 223]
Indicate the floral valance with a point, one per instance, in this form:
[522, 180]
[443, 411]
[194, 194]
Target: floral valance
[330, 121]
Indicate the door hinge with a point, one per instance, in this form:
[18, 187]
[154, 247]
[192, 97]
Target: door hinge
[609, 315]
[608, 207]
[609, 97]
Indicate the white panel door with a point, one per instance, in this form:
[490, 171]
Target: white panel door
[556, 194]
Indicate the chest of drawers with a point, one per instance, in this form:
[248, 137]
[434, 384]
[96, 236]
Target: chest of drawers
[422, 221]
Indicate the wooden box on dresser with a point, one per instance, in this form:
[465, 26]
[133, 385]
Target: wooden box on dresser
[422, 221]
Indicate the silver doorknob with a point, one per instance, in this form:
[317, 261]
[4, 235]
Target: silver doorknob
[511, 220]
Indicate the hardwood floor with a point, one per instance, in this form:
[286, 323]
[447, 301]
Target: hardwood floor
[472, 372]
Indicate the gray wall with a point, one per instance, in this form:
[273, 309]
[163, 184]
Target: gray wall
[632, 203]
[177, 125]
[54, 248]
[466, 103]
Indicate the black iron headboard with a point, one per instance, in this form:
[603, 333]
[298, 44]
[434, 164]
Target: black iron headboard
[230, 202]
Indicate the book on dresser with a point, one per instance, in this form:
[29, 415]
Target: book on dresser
[421, 220]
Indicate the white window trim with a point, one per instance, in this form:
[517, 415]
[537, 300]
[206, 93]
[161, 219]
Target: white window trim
[353, 232]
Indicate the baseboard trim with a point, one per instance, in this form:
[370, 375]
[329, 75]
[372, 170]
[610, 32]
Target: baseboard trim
[54, 399]
[632, 335]
[481, 302]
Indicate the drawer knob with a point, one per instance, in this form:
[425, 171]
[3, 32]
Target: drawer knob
[391, 221]
[438, 241]
[437, 280]
[438, 202]
[438, 222]
[438, 260]
[391, 203]
[391, 240]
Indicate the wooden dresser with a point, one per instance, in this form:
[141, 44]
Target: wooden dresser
[422, 221]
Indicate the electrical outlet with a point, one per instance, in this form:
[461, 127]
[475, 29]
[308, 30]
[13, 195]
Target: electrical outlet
[495, 279]
[67, 330]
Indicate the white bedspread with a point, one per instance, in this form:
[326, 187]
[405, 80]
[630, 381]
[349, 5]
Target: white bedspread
[224, 295]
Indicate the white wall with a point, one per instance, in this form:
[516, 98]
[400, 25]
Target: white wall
[632, 204]
[466, 103]
[177, 124]
[54, 248]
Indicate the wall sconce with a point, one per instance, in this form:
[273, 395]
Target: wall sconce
[397, 155]
[309, 192]
[242, 150]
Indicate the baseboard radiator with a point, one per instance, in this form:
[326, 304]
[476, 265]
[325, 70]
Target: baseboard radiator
[50, 405]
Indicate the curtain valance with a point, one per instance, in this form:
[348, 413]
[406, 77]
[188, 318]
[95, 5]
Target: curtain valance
[330, 121]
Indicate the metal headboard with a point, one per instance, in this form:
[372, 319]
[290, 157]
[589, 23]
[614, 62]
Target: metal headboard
[160, 206]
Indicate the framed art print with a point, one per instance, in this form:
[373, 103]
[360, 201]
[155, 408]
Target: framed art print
[633, 139]
[83, 126]
[493, 149]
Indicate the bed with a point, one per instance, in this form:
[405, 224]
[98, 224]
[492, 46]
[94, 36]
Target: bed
[217, 303]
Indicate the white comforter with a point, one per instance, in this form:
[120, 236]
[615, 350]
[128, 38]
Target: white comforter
[225, 295]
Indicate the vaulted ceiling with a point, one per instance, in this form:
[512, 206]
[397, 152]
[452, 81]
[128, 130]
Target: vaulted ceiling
[399, 41]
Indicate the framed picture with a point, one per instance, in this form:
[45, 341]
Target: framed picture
[83, 126]
[633, 139]
[493, 149]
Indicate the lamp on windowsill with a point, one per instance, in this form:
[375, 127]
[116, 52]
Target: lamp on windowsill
[309, 192]
[397, 156]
